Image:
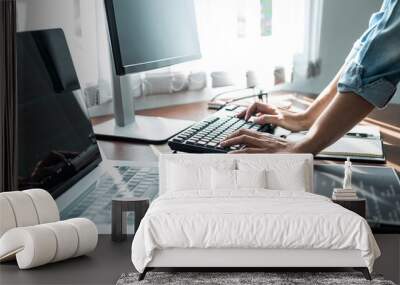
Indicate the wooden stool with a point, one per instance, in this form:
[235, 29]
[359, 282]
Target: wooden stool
[120, 206]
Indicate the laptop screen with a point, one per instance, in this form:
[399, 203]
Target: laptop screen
[56, 143]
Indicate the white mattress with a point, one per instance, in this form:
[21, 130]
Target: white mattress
[253, 219]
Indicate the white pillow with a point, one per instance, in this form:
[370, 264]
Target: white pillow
[251, 178]
[186, 176]
[231, 180]
[223, 179]
[281, 175]
[288, 177]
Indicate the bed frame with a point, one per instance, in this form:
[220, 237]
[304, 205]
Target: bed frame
[242, 259]
[259, 259]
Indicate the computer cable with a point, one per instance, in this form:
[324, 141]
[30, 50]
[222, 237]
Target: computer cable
[218, 105]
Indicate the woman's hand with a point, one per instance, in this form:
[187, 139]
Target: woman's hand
[257, 142]
[269, 114]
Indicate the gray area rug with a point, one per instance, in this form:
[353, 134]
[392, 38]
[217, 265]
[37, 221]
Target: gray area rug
[268, 278]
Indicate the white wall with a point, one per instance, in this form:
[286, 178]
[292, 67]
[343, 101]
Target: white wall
[77, 19]
[342, 23]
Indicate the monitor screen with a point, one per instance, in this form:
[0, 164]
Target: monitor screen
[56, 144]
[149, 34]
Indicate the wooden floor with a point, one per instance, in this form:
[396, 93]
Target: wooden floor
[103, 266]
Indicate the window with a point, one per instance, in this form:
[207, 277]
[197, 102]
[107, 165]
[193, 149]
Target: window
[266, 18]
[241, 35]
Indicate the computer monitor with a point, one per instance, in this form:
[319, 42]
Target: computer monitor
[146, 35]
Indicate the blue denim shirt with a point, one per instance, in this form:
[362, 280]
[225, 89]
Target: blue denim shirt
[372, 69]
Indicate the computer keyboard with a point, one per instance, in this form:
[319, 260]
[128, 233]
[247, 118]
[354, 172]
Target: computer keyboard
[205, 136]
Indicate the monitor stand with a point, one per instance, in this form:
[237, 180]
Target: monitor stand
[126, 126]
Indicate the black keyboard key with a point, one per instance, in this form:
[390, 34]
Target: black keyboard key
[231, 107]
[236, 147]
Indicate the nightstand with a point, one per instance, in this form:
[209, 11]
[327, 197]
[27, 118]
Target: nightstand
[357, 206]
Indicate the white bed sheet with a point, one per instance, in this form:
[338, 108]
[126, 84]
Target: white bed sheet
[250, 219]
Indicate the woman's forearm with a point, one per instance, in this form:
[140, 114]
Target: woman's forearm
[322, 101]
[344, 112]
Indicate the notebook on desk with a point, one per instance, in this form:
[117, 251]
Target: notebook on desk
[362, 143]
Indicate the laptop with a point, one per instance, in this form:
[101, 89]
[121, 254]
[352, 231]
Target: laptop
[57, 148]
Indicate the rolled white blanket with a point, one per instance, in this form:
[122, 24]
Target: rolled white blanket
[23, 208]
[7, 220]
[45, 206]
[26, 208]
[87, 235]
[37, 245]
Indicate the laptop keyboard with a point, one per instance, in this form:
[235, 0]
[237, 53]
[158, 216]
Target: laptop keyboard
[121, 181]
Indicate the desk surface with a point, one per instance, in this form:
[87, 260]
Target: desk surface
[388, 120]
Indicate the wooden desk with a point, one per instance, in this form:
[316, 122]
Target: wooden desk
[388, 120]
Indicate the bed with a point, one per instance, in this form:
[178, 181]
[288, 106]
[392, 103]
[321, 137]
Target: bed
[247, 211]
